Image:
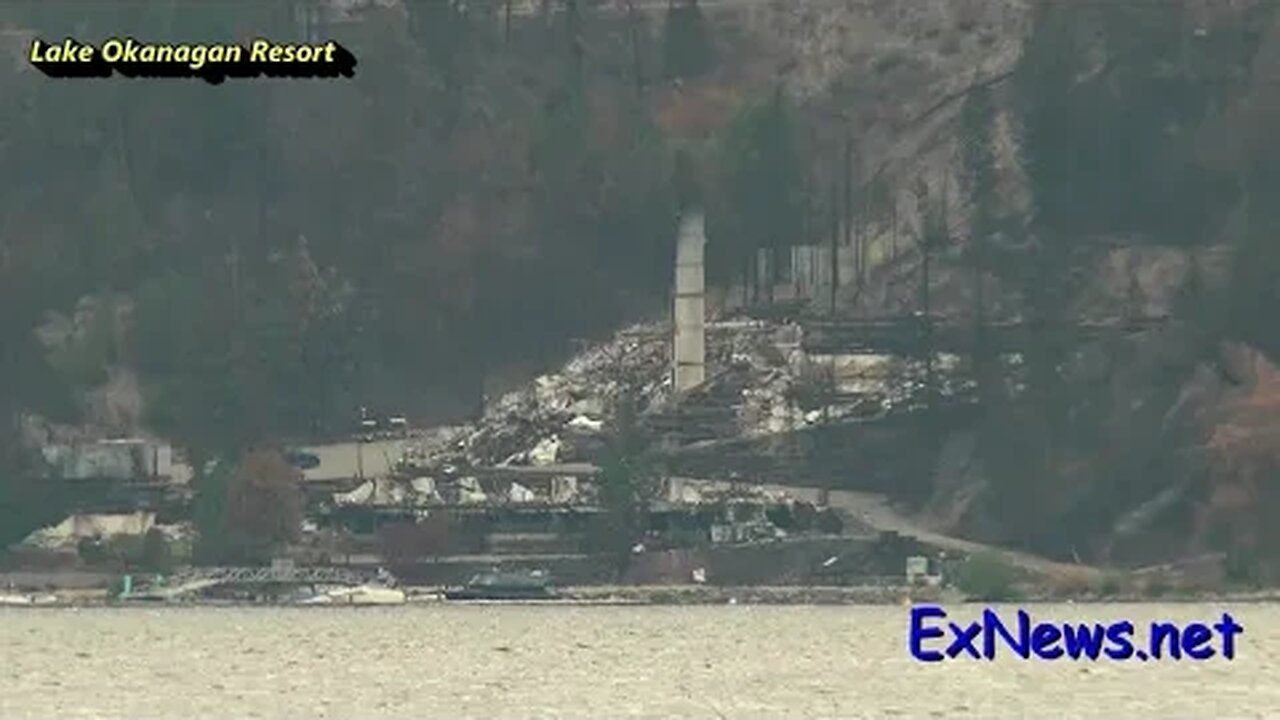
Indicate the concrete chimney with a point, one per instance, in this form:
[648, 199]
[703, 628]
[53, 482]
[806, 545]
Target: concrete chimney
[688, 347]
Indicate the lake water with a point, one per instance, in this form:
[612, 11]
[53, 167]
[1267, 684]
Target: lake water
[592, 662]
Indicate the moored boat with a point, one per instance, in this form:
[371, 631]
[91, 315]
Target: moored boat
[534, 585]
[28, 600]
[359, 595]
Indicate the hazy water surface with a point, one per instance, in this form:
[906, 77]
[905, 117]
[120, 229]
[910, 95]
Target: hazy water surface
[591, 662]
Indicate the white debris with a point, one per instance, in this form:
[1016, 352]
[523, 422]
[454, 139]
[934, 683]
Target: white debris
[564, 489]
[388, 491]
[469, 491]
[759, 376]
[424, 488]
[361, 495]
[91, 525]
[586, 424]
[546, 452]
[686, 494]
[589, 406]
[521, 494]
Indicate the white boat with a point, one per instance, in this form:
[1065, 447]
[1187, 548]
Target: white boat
[27, 600]
[359, 595]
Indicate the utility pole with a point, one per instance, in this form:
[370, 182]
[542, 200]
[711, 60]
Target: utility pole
[233, 269]
[893, 233]
[835, 245]
[933, 237]
[848, 206]
[573, 24]
[637, 65]
[506, 28]
[982, 357]
[360, 440]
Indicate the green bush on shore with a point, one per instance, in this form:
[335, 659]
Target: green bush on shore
[987, 577]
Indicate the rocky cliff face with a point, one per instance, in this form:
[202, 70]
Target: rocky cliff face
[1161, 451]
[1165, 450]
[1182, 460]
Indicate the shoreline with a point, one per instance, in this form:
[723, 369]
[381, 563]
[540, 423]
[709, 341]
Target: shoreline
[671, 595]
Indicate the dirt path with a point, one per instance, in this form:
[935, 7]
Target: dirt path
[874, 511]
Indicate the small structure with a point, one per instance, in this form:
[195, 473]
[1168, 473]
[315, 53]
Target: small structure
[918, 572]
[917, 569]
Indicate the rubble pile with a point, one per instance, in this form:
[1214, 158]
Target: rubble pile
[757, 375]
[539, 424]
[752, 367]
[759, 382]
[688, 492]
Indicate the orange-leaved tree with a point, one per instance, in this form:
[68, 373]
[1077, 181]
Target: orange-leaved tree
[264, 506]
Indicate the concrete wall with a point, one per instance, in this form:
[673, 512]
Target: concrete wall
[122, 460]
[345, 461]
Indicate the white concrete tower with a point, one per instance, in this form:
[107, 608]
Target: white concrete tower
[688, 351]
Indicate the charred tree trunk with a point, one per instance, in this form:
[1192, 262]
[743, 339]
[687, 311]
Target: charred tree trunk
[573, 25]
[637, 63]
[506, 23]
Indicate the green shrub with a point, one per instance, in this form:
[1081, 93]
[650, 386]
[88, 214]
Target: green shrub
[1157, 587]
[125, 550]
[116, 588]
[91, 551]
[1110, 586]
[829, 523]
[1241, 566]
[157, 554]
[986, 577]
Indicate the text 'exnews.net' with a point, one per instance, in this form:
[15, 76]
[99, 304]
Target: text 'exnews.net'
[932, 637]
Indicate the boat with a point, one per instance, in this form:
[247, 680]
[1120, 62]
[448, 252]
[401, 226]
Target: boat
[534, 585]
[358, 595]
[28, 600]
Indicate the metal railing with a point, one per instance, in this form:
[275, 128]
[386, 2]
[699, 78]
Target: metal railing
[262, 575]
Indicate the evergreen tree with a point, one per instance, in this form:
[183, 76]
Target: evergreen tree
[1052, 263]
[1019, 443]
[1255, 276]
[762, 183]
[687, 45]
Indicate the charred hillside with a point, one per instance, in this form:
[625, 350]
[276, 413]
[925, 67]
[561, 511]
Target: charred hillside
[246, 265]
